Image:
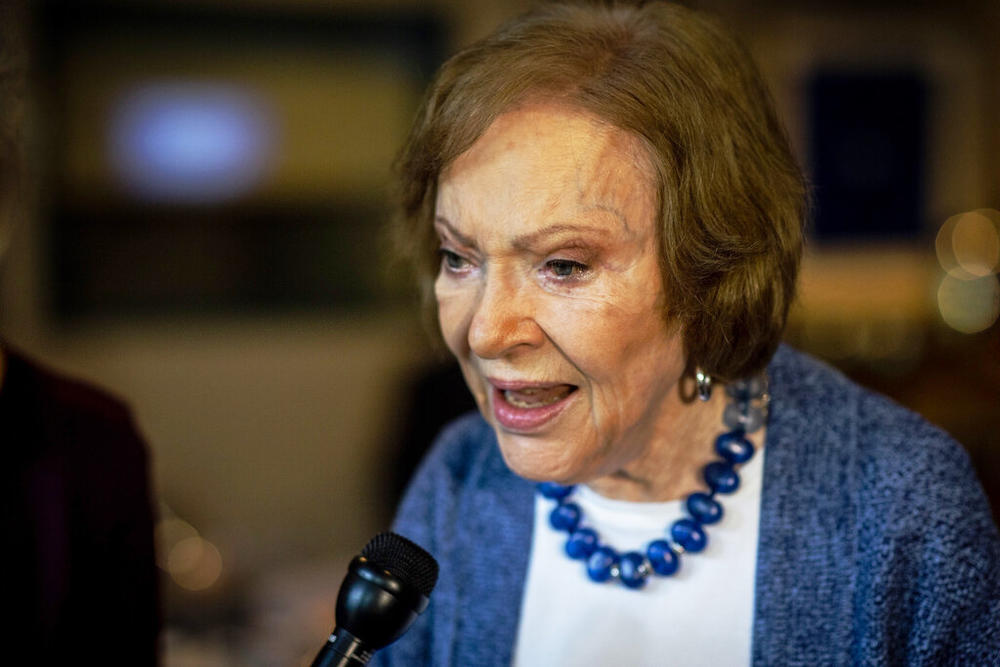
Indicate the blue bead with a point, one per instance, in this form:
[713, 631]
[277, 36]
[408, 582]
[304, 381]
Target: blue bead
[689, 534]
[554, 491]
[721, 477]
[744, 416]
[662, 558]
[600, 563]
[747, 389]
[565, 516]
[632, 574]
[581, 544]
[704, 508]
[734, 447]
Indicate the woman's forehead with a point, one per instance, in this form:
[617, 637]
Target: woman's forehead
[548, 161]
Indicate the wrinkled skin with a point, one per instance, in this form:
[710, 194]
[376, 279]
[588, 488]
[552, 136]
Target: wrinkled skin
[549, 278]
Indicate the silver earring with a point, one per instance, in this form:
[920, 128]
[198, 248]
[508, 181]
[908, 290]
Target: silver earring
[704, 383]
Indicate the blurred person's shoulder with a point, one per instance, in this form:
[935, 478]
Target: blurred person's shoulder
[56, 410]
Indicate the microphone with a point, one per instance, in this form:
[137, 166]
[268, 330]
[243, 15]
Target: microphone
[386, 587]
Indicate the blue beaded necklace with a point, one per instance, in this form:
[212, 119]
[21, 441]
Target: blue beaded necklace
[745, 413]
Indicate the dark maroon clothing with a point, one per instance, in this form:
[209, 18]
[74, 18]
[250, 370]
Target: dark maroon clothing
[77, 524]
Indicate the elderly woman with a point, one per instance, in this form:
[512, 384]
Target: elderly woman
[611, 219]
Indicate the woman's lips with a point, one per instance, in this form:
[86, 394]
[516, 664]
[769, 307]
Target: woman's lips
[525, 407]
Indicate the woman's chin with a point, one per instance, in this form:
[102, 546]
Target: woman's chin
[538, 459]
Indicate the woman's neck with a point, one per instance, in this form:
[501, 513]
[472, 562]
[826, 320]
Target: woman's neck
[670, 468]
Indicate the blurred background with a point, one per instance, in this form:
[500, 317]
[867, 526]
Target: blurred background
[203, 236]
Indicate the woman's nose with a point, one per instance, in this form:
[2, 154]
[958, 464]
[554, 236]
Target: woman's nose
[504, 321]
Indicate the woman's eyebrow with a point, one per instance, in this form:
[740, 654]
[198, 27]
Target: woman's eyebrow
[532, 239]
[527, 241]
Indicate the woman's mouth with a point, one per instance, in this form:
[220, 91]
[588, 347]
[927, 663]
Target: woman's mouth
[525, 407]
[537, 397]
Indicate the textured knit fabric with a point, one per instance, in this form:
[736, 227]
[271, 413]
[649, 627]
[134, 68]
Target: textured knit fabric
[876, 542]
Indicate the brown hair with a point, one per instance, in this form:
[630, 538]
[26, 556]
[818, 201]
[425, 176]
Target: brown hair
[731, 197]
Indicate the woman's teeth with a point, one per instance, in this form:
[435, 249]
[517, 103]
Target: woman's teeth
[537, 397]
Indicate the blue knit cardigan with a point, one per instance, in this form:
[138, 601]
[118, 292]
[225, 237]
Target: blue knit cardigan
[876, 542]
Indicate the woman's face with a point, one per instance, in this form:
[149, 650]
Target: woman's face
[549, 292]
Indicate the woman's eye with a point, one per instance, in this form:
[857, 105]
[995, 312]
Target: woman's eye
[452, 260]
[565, 268]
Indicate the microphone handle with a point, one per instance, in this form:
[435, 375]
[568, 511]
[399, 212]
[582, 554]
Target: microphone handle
[342, 649]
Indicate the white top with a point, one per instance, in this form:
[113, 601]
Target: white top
[701, 615]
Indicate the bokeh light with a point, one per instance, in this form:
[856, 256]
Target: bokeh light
[969, 306]
[968, 244]
[187, 142]
[194, 563]
[170, 531]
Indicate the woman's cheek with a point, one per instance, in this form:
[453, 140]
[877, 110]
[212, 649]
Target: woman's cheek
[453, 317]
[582, 320]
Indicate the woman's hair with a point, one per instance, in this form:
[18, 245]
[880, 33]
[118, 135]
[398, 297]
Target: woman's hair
[731, 197]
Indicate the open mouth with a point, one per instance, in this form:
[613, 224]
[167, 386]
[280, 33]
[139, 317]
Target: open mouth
[526, 409]
[537, 397]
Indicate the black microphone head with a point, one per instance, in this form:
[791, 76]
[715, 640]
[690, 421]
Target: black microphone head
[387, 586]
[403, 558]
